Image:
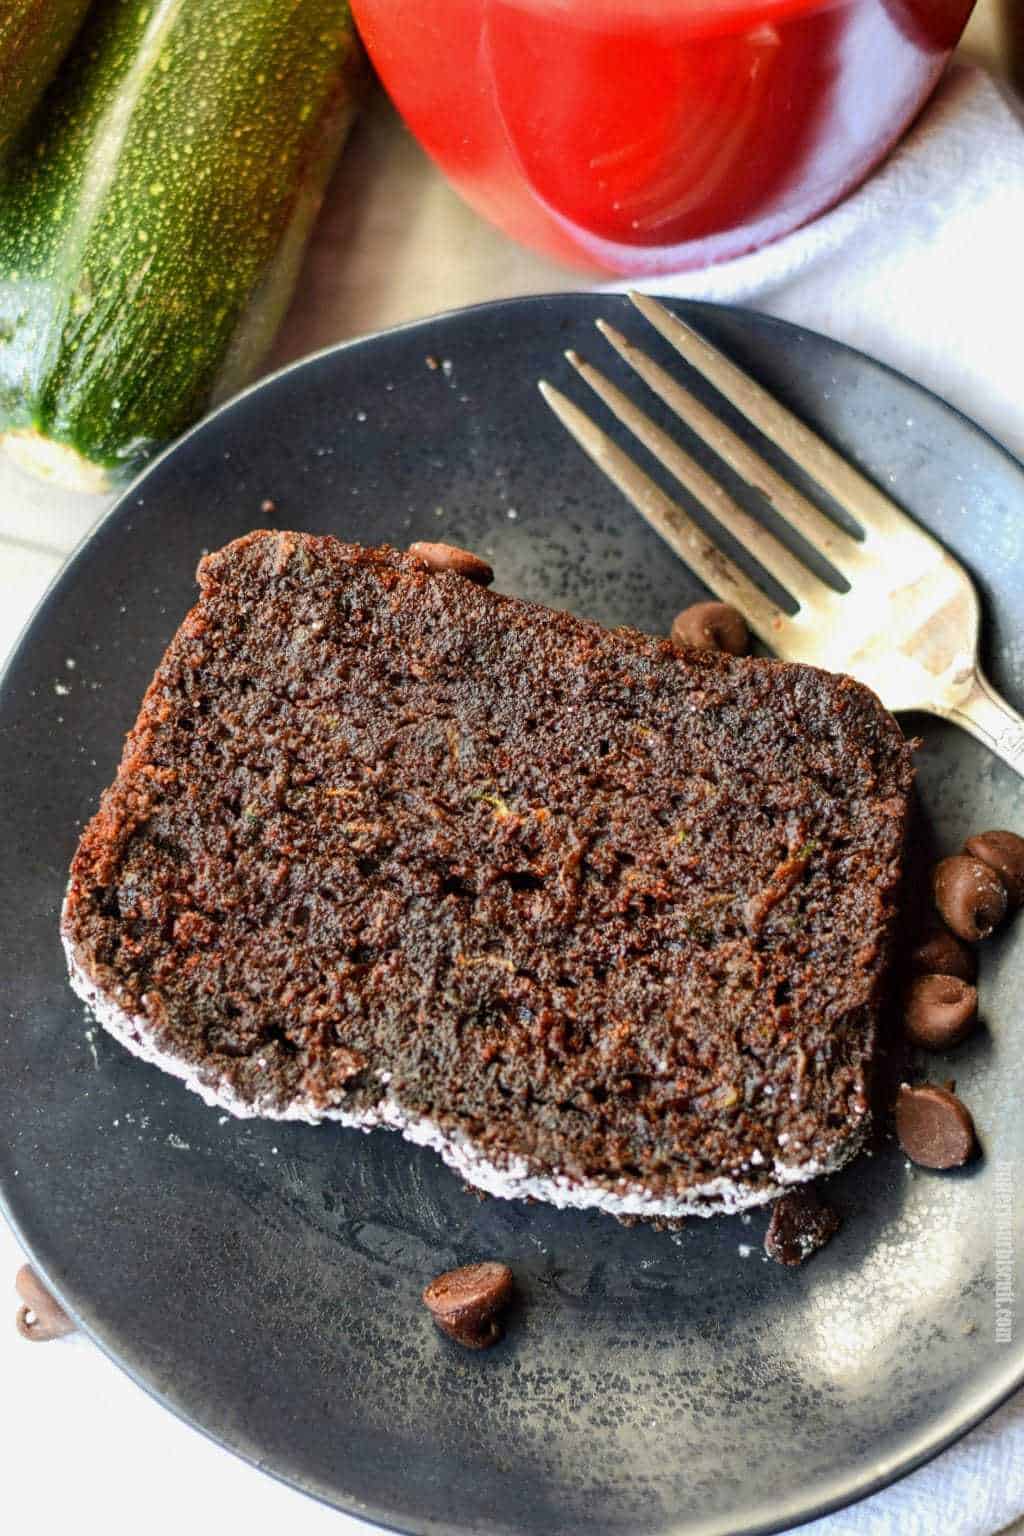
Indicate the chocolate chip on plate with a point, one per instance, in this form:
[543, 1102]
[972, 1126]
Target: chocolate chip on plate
[465, 1303]
[448, 557]
[800, 1224]
[933, 1127]
[711, 627]
[939, 1011]
[970, 896]
[42, 1317]
[941, 953]
[1003, 852]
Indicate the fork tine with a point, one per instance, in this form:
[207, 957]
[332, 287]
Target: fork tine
[674, 525]
[856, 494]
[773, 555]
[844, 552]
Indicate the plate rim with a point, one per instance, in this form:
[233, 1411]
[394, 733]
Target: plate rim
[788, 1520]
[838, 1492]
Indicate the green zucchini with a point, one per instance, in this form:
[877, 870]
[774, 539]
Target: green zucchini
[150, 238]
[34, 37]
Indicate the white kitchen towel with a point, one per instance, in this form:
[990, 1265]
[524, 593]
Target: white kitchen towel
[922, 267]
[976, 1488]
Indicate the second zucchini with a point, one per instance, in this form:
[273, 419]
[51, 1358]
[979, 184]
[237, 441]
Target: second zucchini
[150, 239]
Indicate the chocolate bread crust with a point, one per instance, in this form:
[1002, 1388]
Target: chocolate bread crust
[589, 916]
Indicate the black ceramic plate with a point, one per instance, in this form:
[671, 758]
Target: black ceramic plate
[263, 1280]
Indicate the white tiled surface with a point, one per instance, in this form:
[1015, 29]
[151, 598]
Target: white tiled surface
[25, 572]
[38, 527]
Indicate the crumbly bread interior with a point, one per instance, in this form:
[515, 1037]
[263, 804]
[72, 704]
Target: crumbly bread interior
[621, 915]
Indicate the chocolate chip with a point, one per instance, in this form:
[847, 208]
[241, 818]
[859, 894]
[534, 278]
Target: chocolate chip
[1003, 852]
[42, 1318]
[711, 627]
[448, 557]
[939, 1011]
[800, 1225]
[971, 898]
[465, 1303]
[941, 953]
[934, 1128]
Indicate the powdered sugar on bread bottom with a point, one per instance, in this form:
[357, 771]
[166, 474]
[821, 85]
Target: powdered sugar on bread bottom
[511, 1180]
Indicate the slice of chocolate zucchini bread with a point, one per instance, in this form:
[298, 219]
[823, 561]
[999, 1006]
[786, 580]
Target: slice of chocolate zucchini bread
[602, 924]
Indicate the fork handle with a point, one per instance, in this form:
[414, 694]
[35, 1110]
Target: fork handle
[988, 717]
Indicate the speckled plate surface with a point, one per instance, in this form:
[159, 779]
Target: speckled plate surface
[263, 1280]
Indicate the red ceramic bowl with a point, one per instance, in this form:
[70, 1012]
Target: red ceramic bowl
[643, 136]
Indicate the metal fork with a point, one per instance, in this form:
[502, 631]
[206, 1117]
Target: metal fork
[908, 625]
